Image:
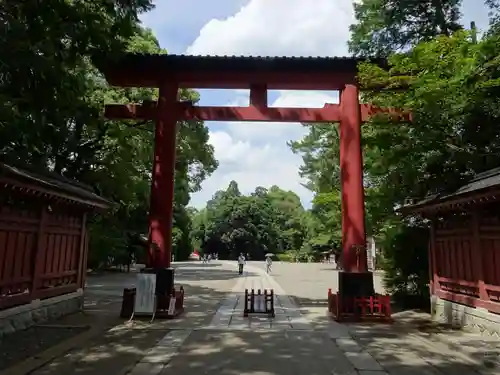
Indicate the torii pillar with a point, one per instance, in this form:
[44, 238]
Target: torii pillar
[162, 189]
[354, 280]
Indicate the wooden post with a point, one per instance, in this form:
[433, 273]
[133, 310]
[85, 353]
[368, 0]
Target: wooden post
[433, 276]
[258, 96]
[246, 306]
[351, 166]
[82, 253]
[85, 259]
[39, 256]
[163, 178]
[478, 256]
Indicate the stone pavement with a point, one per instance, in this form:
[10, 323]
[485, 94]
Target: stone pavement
[232, 344]
[294, 343]
[214, 338]
[116, 345]
[230, 313]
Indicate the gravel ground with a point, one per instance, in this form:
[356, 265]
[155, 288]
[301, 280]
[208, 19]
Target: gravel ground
[21, 345]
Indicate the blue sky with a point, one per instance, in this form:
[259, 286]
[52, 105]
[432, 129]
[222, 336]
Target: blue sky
[256, 154]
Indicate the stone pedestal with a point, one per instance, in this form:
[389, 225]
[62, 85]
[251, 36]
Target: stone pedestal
[356, 284]
[164, 280]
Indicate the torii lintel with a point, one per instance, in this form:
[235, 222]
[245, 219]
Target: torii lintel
[187, 111]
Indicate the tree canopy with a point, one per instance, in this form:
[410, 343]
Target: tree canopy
[386, 26]
[262, 222]
[52, 116]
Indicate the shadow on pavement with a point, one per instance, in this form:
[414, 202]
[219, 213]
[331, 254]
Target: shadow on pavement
[414, 344]
[213, 275]
[125, 343]
[409, 351]
[270, 353]
[181, 265]
[118, 344]
[186, 272]
[400, 348]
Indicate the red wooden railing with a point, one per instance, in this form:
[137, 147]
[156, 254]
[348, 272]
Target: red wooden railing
[465, 260]
[42, 253]
[359, 309]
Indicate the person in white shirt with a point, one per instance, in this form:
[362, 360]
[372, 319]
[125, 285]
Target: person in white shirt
[241, 263]
[269, 263]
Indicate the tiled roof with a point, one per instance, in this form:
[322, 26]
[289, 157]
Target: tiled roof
[231, 72]
[484, 180]
[241, 63]
[482, 183]
[54, 184]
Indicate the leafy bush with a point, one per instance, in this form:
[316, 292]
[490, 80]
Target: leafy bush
[405, 263]
[286, 257]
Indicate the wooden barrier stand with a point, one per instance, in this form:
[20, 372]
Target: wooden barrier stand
[143, 301]
[259, 303]
[359, 309]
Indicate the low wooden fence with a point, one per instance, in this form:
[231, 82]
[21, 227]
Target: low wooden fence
[359, 309]
[259, 303]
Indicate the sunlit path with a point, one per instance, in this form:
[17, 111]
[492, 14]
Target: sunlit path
[299, 340]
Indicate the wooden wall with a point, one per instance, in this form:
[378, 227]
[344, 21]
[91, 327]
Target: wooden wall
[465, 258]
[42, 252]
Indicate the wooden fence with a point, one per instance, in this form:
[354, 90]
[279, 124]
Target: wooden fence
[42, 252]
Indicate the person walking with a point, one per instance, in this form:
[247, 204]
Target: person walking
[241, 263]
[269, 263]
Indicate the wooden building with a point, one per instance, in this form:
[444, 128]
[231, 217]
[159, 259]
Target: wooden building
[43, 245]
[464, 252]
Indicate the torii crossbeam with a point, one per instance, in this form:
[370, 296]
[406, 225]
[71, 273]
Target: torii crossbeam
[170, 73]
[255, 113]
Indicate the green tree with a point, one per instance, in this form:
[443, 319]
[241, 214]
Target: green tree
[266, 221]
[386, 26]
[406, 272]
[44, 86]
[288, 213]
[453, 93]
[51, 116]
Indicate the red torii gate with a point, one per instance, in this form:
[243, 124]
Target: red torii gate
[169, 73]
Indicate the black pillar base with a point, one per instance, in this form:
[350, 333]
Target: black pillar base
[356, 284]
[164, 280]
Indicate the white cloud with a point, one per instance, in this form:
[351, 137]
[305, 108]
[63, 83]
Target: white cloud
[263, 165]
[256, 154]
[227, 149]
[279, 28]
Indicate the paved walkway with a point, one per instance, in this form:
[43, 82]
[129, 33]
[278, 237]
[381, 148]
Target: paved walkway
[230, 313]
[214, 338]
[294, 343]
[232, 344]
